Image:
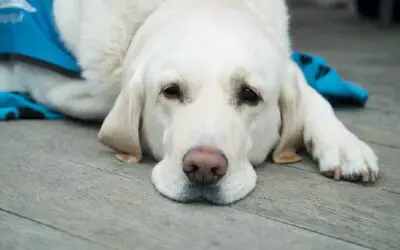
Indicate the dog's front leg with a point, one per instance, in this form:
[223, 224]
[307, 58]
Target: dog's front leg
[340, 153]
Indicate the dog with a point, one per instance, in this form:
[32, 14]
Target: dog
[206, 87]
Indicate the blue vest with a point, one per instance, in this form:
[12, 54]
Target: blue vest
[28, 31]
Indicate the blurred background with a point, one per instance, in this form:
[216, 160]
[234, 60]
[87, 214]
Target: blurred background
[386, 12]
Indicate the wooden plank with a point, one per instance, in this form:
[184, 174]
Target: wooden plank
[74, 144]
[361, 214]
[374, 135]
[125, 212]
[17, 233]
[387, 121]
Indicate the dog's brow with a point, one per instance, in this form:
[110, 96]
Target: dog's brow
[240, 73]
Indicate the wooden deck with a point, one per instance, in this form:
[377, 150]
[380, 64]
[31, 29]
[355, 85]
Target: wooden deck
[60, 189]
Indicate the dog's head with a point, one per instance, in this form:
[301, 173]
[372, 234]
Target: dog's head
[207, 79]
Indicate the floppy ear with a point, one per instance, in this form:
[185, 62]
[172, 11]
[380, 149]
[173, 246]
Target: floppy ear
[290, 99]
[120, 129]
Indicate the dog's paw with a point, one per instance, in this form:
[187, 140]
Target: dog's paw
[344, 156]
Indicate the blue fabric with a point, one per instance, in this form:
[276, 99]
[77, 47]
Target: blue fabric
[15, 106]
[323, 78]
[327, 81]
[27, 28]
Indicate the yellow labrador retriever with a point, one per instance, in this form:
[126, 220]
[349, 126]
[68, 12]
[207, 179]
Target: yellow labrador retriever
[214, 87]
[207, 87]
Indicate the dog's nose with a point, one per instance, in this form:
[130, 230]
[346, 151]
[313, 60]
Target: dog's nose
[204, 165]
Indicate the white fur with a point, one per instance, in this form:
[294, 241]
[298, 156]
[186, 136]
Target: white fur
[129, 49]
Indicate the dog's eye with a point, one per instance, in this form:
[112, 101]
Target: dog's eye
[248, 96]
[172, 91]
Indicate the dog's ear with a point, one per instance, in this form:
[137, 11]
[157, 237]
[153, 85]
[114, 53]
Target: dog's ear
[290, 99]
[120, 129]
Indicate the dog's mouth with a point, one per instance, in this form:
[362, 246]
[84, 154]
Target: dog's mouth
[229, 189]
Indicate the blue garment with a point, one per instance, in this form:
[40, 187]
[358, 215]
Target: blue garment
[327, 82]
[28, 29]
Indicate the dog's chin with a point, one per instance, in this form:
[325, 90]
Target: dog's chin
[230, 189]
[192, 193]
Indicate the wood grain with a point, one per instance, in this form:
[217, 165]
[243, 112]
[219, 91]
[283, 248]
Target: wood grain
[125, 212]
[18, 233]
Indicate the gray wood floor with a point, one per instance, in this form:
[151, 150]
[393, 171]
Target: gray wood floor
[60, 189]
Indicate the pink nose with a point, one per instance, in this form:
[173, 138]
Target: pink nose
[204, 165]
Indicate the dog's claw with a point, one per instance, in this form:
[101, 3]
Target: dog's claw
[373, 177]
[365, 177]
